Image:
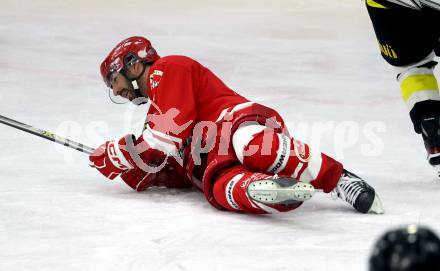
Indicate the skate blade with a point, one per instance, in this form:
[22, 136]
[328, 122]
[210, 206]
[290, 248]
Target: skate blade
[270, 192]
[377, 206]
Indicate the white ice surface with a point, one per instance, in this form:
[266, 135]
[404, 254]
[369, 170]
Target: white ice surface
[314, 61]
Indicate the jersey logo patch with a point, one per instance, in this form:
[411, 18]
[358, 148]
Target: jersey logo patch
[155, 78]
[301, 151]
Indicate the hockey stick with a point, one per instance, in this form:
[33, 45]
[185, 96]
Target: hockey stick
[301, 193]
[46, 134]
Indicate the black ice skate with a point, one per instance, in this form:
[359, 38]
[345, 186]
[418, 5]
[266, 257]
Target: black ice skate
[358, 193]
[280, 190]
[431, 137]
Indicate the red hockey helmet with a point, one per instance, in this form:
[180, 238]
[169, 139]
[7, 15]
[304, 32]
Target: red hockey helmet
[126, 53]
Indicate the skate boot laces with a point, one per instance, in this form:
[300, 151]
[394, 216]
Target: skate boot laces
[348, 189]
[358, 193]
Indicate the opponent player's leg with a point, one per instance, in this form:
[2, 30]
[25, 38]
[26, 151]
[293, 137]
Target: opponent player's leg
[260, 149]
[232, 190]
[406, 40]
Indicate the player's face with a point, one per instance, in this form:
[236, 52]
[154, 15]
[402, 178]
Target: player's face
[121, 87]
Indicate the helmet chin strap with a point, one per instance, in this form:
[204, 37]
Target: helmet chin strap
[136, 89]
[135, 84]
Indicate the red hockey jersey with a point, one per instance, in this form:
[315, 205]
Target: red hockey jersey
[183, 93]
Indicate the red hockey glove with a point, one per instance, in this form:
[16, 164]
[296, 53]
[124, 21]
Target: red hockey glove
[172, 176]
[137, 179]
[112, 158]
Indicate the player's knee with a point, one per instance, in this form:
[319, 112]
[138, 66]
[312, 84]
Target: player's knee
[425, 64]
[257, 148]
[247, 140]
[418, 83]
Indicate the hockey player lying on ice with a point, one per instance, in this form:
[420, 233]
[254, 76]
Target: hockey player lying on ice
[201, 133]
